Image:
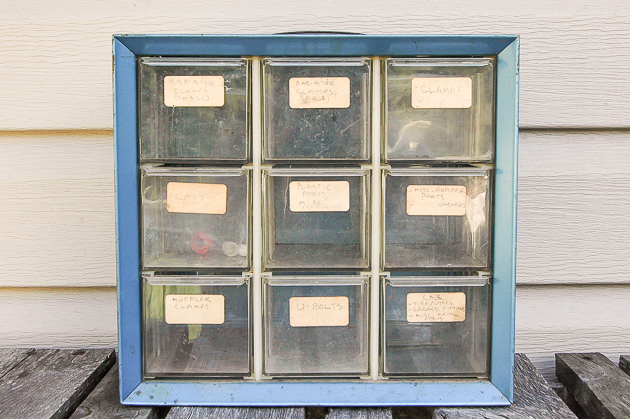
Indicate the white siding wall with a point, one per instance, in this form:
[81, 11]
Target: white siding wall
[57, 244]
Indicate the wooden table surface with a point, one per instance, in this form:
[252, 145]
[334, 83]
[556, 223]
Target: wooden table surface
[83, 383]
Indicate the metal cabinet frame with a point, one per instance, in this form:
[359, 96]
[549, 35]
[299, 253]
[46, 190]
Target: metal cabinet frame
[497, 390]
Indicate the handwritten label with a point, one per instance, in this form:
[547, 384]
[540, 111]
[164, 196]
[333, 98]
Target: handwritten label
[319, 196]
[194, 91]
[319, 92]
[441, 92]
[436, 200]
[196, 198]
[319, 311]
[194, 309]
[436, 307]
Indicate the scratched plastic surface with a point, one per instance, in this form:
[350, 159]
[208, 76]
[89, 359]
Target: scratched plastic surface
[318, 350]
[433, 133]
[448, 225]
[316, 218]
[439, 344]
[174, 236]
[325, 129]
[185, 134]
[196, 349]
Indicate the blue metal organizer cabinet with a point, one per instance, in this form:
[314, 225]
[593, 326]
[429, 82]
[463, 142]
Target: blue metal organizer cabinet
[497, 389]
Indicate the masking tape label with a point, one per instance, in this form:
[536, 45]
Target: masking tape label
[194, 309]
[319, 311]
[436, 307]
[319, 92]
[194, 91]
[196, 198]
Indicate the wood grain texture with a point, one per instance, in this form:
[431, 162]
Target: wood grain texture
[601, 388]
[552, 319]
[568, 399]
[410, 412]
[572, 207]
[57, 216]
[236, 413]
[66, 318]
[56, 58]
[624, 363]
[533, 399]
[359, 413]
[11, 357]
[51, 383]
[104, 403]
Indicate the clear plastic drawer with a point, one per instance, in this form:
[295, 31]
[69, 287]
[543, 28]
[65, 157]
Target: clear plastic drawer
[195, 218]
[316, 326]
[439, 109]
[316, 109]
[194, 109]
[435, 326]
[196, 326]
[436, 218]
[316, 218]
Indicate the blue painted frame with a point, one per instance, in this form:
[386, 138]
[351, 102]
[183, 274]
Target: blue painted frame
[498, 390]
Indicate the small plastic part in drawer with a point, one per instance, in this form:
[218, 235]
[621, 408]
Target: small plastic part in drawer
[195, 218]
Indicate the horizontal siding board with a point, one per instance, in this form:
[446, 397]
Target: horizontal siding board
[58, 318]
[574, 201]
[56, 64]
[57, 220]
[549, 319]
[552, 319]
[57, 215]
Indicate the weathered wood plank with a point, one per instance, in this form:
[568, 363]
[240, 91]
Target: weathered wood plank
[624, 363]
[236, 413]
[533, 398]
[359, 413]
[104, 403]
[597, 384]
[568, 399]
[51, 383]
[10, 358]
[409, 412]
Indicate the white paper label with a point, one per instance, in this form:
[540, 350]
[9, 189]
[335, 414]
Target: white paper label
[319, 311]
[194, 91]
[319, 92]
[196, 198]
[436, 200]
[441, 92]
[194, 309]
[319, 196]
[436, 307]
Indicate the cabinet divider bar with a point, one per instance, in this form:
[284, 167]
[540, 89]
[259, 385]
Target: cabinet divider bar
[257, 218]
[376, 218]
